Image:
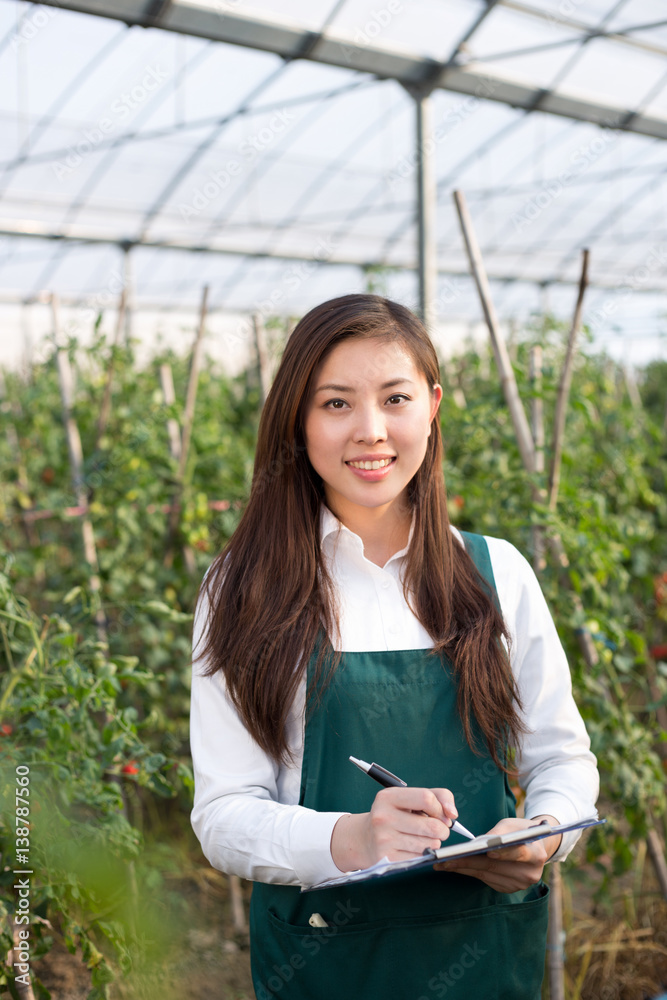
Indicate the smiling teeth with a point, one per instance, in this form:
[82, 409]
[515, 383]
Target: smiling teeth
[371, 465]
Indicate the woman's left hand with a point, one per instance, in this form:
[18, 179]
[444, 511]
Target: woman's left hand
[510, 868]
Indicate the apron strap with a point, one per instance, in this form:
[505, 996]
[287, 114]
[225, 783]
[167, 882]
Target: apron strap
[478, 551]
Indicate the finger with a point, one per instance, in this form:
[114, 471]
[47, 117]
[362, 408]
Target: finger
[503, 878]
[420, 800]
[535, 852]
[421, 825]
[446, 800]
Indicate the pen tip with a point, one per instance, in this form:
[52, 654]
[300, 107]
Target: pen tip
[360, 763]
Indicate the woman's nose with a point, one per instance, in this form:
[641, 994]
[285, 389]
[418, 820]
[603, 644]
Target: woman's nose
[371, 425]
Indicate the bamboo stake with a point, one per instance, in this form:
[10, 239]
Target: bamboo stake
[537, 429]
[169, 396]
[657, 855]
[458, 395]
[31, 534]
[66, 382]
[633, 388]
[105, 408]
[188, 417]
[174, 434]
[555, 932]
[507, 378]
[238, 912]
[556, 936]
[263, 366]
[564, 387]
[555, 544]
[537, 406]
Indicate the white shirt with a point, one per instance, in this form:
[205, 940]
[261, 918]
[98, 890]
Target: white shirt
[246, 812]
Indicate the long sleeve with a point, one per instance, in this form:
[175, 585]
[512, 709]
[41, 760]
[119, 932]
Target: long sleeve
[556, 767]
[245, 811]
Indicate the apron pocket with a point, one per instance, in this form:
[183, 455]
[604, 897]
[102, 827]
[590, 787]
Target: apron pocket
[492, 953]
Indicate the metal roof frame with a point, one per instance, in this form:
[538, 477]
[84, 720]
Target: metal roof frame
[335, 49]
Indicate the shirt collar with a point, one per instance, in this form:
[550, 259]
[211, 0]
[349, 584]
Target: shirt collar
[331, 526]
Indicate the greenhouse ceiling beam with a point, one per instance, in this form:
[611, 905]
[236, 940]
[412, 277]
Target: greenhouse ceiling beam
[38, 232]
[556, 19]
[290, 42]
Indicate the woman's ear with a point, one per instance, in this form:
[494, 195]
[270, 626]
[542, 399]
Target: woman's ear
[436, 399]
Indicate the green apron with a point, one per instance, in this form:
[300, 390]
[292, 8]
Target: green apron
[412, 936]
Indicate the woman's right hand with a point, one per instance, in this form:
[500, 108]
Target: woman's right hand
[402, 823]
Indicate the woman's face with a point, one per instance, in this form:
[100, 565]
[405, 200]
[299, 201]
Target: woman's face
[367, 423]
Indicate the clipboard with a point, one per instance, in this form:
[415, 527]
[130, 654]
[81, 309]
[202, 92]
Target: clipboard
[480, 845]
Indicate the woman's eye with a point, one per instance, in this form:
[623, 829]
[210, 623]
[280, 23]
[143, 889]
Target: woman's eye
[335, 404]
[397, 398]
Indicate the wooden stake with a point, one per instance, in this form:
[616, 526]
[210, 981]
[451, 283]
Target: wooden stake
[238, 913]
[31, 534]
[537, 429]
[169, 396]
[66, 382]
[507, 377]
[657, 855]
[188, 417]
[263, 365]
[105, 408]
[556, 936]
[564, 387]
[633, 388]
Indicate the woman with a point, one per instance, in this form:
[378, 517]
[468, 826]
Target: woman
[346, 617]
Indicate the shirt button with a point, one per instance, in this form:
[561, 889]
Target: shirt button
[386, 584]
[393, 629]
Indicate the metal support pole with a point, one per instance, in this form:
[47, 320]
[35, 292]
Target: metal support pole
[129, 293]
[426, 208]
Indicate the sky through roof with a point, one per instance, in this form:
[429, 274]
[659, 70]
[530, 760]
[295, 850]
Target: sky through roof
[280, 181]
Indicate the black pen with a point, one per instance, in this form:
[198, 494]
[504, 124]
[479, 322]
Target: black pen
[389, 780]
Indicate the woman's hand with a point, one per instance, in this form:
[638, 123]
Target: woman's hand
[402, 823]
[510, 868]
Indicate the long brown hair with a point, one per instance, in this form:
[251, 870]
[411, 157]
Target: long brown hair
[270, 595]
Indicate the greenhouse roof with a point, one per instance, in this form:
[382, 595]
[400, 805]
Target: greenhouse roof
[267, 148]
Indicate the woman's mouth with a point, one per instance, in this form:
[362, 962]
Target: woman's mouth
[379, 463]
[372, 470]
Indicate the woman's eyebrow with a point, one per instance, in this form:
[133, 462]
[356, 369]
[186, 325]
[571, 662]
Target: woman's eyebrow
[330, 386]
